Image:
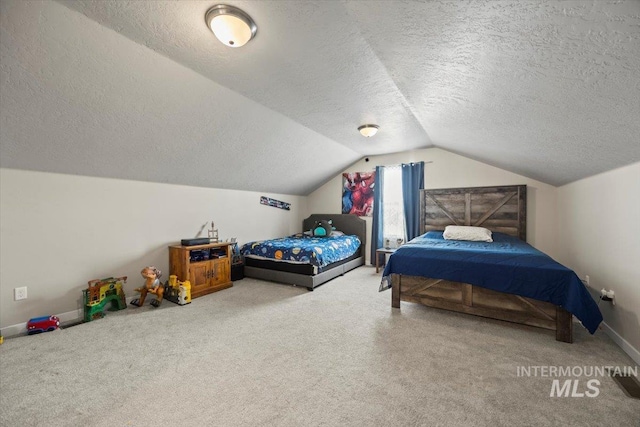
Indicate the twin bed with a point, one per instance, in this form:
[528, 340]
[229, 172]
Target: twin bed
[506, 279]
[309, 261]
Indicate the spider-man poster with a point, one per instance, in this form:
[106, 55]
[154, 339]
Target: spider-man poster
[357, 193]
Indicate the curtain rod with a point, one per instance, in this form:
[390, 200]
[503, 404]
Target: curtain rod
[390, 166]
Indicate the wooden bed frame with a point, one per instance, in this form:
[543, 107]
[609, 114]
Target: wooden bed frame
[348, 224]
[501, 209]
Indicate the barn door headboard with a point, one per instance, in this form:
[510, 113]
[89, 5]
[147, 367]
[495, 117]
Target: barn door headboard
[502, 209]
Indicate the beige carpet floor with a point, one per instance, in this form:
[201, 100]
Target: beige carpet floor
[265, 354]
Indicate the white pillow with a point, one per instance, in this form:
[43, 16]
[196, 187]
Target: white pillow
[462, 232]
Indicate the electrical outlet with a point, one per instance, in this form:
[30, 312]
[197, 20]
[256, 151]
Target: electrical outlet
[20, 293]
[586, 279]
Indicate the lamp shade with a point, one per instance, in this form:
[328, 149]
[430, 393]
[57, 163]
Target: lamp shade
[368, 130]
[230, 25]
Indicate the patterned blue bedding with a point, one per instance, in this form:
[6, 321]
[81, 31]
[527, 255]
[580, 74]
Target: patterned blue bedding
[303, 249]
[506, 265]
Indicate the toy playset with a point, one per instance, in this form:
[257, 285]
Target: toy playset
[101, 292]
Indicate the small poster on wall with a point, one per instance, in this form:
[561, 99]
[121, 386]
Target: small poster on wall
[275, 203]
[357, 193]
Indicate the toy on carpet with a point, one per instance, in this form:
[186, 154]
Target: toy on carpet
[176, 291]
[99, 293]
[151, 285]
[42, 324]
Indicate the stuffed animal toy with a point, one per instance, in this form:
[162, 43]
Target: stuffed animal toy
[323, 228]
[151, 285]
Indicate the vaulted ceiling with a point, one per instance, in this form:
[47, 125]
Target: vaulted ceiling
[142, 90]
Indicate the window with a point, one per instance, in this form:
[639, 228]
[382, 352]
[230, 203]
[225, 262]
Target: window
[393, 226]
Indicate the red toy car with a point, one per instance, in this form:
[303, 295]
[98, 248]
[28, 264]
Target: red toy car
[42, 324]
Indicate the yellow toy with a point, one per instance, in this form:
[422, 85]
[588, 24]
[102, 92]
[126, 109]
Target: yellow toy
[151, 285]
[176, 291]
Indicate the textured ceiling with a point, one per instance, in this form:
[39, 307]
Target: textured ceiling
[143, 90]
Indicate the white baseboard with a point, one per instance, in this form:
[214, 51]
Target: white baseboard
[13, 330]
[21, 328]
[622, 343]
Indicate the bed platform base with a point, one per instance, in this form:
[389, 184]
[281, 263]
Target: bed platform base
[309, 282]
[469, 299]
[501, 209]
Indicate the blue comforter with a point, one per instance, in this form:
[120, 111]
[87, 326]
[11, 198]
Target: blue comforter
[300, 248]
[506, 265]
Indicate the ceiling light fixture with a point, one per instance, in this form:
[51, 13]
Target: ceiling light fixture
[231, 26]
[368, 130]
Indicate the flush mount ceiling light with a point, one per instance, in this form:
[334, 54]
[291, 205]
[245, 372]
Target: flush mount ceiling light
[230, 25]
[368, 130]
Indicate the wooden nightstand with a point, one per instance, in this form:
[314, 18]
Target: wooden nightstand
[382, 251]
